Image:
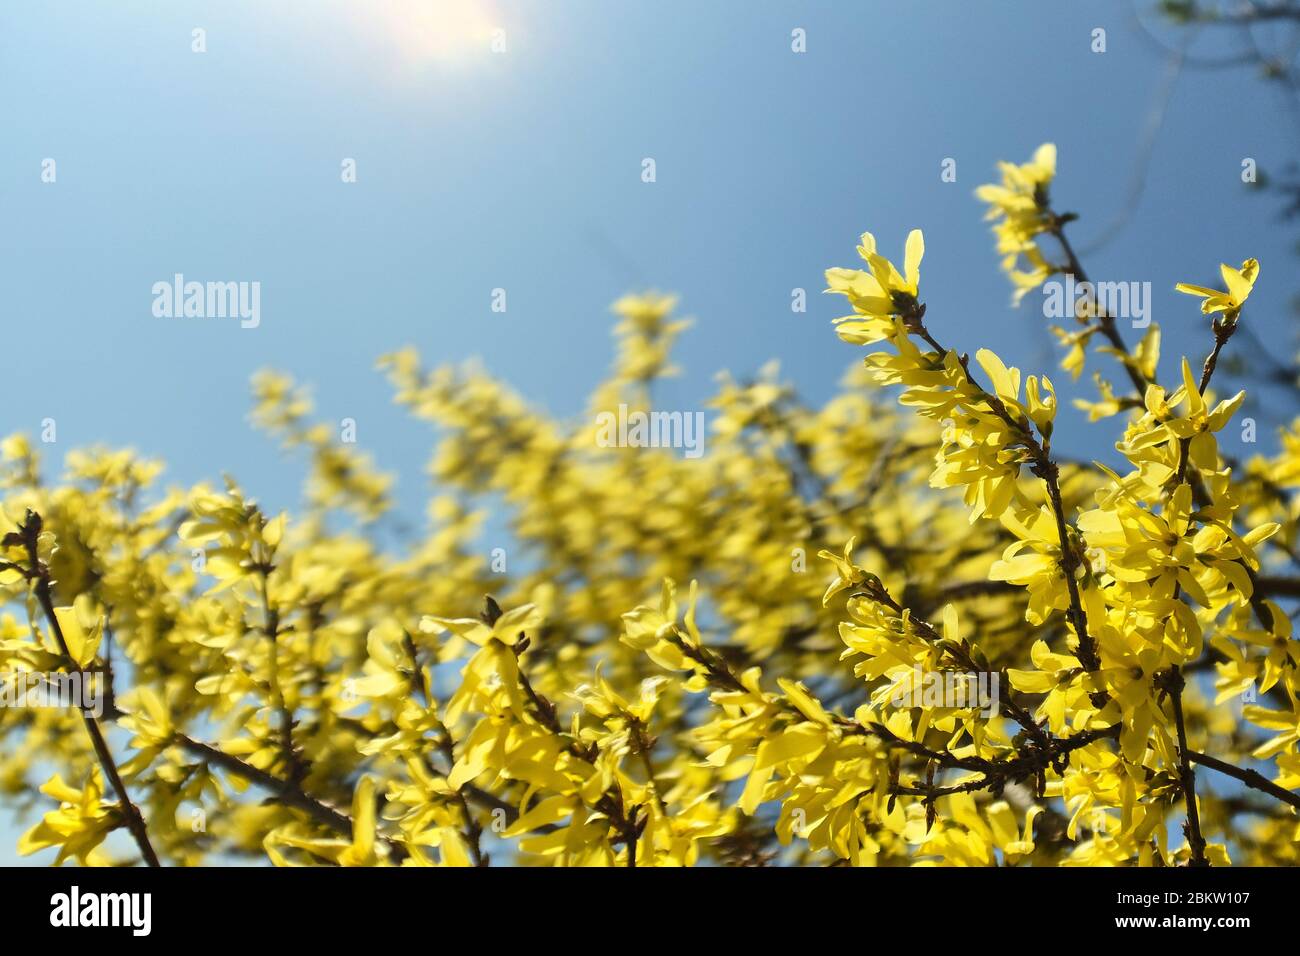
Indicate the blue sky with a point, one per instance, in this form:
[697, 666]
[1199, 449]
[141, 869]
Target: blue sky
[521, 170]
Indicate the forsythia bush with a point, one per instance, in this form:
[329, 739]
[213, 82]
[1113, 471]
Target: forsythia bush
[290, 688]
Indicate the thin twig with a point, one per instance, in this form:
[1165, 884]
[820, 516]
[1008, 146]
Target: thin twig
[1251, 778]
[1173, 681]
[39, 574]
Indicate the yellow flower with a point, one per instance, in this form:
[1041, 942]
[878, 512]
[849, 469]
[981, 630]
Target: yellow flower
[492, 670]
[1059, 677]
[1033, 561]
[879, 295]
[80, 625]
[1019, 203]
[79, 826]
[847, 574]
[1239, 283]
[361, 850]
[1027, 280]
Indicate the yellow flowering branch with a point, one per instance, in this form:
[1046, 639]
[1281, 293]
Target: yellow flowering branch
[39, 575]
[1045, 468]
[1173, 682]
[1105, 321]
[295, 769]
[995, 774]
[285, 792]
[447, 747]
[625, 821]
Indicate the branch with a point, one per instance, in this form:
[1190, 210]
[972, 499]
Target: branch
[271, 629]
[1278, 586]
[622, 820]
[1046, 469]
[1187, 776]
[1173, 682]
[1053, 752]
[39, 574]
[290, 794]
[1251, 778]
[1139, 379]
[473, 831]
[1105, 321]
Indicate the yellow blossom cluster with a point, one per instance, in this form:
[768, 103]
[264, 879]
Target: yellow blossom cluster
[913, 634]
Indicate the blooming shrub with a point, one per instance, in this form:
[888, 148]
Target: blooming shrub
[291, 689]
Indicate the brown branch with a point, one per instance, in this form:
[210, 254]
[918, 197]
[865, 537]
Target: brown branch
[1278, 585]
[642, 743]
[294, 767]
[290, 794]
[622, 820]
[1187, 776]
[1251, 778]
[39, 575]
[1105, 321]
[1046, 469]
[996, 773]
[473, 830]
[963, 659]
[1172, 681]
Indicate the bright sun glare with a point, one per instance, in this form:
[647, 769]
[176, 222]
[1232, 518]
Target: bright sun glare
[443, 32]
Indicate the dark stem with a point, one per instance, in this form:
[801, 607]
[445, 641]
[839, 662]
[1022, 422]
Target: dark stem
[473, 830]
[1174, 683]
[1195, 840]
[1106, 322]
[30, 531]
[1046, 469]
[287, 793]
[1251, 778]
